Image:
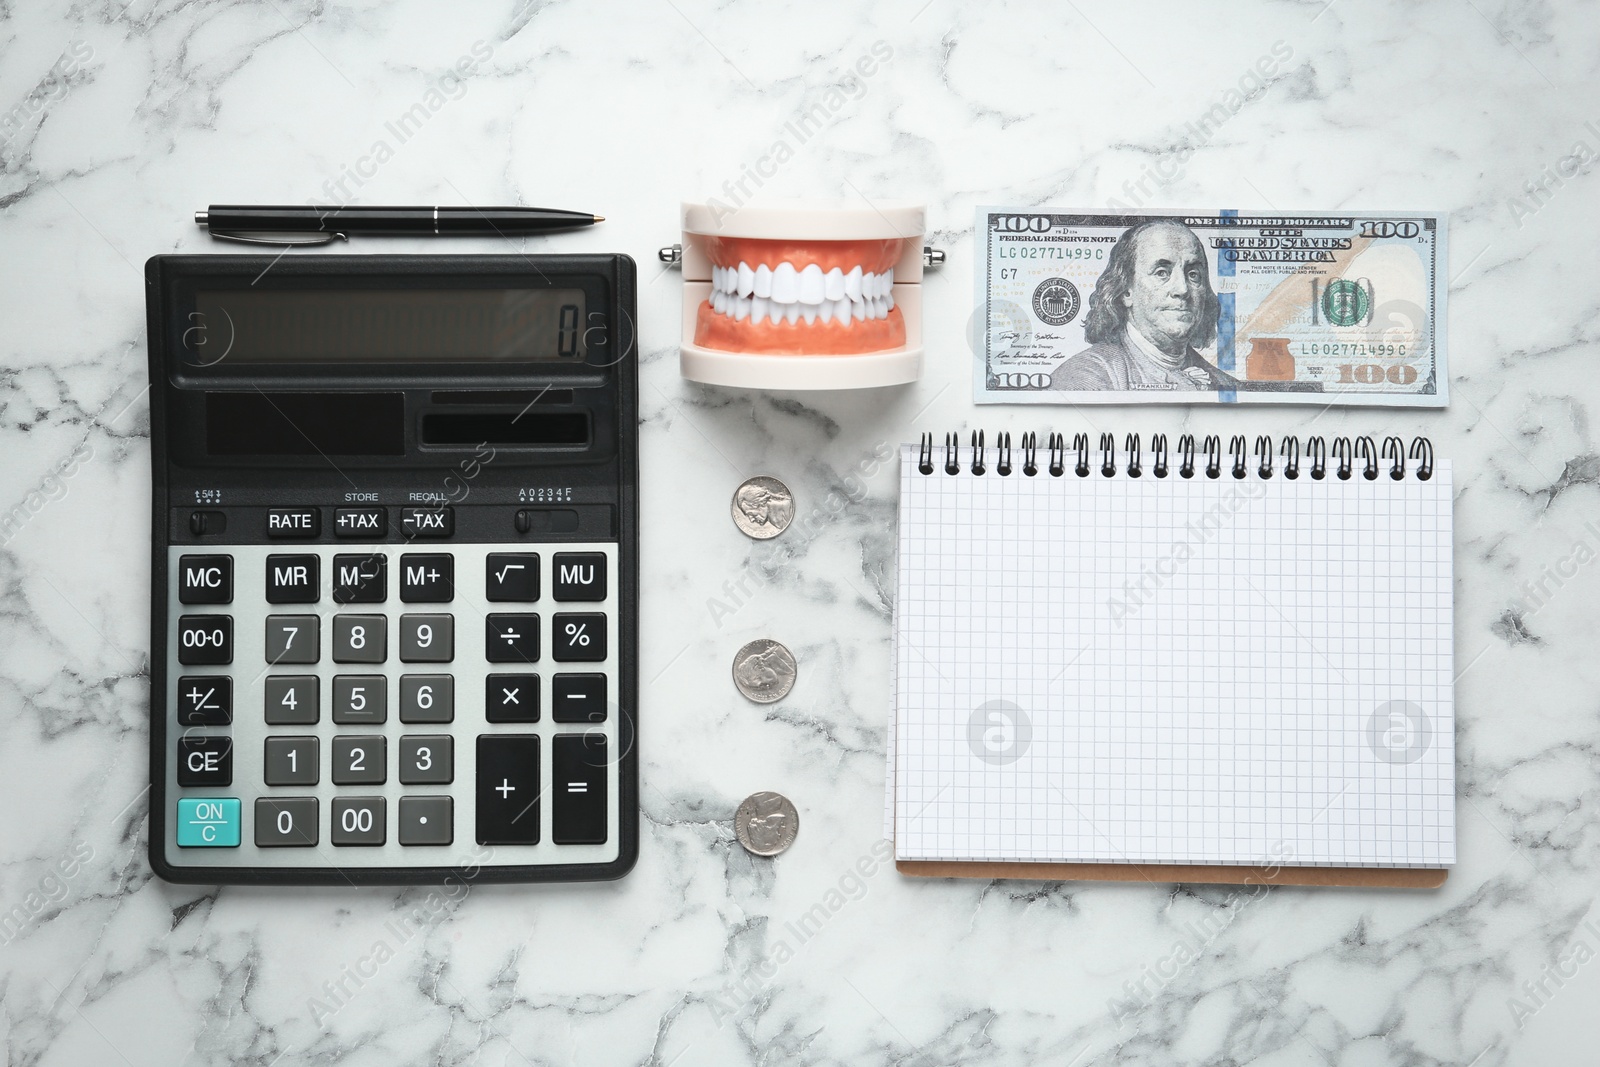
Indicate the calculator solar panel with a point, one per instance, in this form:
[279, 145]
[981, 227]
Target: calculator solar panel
[395, 568]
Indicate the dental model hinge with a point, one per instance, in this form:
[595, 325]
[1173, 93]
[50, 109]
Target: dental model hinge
[931, 257]
[672, 255]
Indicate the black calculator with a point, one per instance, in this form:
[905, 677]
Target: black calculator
[394, 577]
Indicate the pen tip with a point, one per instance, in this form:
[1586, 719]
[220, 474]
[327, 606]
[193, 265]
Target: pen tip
[599, 218]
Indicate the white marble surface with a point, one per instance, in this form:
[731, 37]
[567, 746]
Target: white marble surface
[159, 108]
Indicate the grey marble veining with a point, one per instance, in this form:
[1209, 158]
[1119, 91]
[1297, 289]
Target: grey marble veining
[118, 121]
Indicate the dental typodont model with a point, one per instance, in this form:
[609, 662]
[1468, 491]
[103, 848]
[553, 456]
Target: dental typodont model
[802, 295]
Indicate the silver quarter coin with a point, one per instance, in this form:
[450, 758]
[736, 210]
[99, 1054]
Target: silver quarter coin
[766, 823]
[764, 671]
[763, 508]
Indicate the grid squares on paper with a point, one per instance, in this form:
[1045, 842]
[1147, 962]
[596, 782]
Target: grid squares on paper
[1173, 671]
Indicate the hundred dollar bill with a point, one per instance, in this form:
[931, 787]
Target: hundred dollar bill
[1210, 307]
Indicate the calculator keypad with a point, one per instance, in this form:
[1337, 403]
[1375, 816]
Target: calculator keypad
[467, 695]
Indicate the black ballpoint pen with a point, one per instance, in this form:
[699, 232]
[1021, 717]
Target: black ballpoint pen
[310, 225]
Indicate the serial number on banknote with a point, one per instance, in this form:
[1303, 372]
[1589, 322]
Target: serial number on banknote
[1210, 307]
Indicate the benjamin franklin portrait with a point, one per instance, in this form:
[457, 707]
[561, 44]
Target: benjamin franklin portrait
[1151, 310]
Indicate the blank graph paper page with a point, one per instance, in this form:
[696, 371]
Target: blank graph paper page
[1169, 670]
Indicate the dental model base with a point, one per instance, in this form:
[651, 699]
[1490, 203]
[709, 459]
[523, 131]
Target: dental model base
[801, 295]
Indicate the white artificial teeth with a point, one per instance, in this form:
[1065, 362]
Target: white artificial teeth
[833, 284]
[852, 284]
[784, 294]
[785, 283]
[812, 286]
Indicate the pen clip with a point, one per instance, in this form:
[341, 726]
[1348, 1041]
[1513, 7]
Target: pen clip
[288, 240]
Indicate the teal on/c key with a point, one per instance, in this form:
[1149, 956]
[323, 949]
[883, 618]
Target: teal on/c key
[208, 822]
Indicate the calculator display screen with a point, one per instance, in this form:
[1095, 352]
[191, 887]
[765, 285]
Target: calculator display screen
[389, 325]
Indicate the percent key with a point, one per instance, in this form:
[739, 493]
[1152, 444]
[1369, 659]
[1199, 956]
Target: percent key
[579, 637]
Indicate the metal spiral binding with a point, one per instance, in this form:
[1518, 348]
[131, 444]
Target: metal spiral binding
[1367, 451]
[1345, 452]
[1394, 450]
[1342, 453]
[1263, 456]
[1422, 448]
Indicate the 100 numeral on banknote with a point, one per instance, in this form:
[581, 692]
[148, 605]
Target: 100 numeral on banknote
[1219, 307]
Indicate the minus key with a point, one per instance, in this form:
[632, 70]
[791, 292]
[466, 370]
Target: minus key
[578, 698]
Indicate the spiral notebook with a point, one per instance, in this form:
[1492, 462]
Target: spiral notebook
[1219, 664]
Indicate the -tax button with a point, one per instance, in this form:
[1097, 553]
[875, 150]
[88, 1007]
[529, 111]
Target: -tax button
[208, 822]
[427, 522]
